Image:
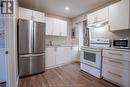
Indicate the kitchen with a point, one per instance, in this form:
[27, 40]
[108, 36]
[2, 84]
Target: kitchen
[66, 44]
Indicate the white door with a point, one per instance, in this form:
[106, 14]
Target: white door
[56, 27]
[50, 57]
[67, 54]
[102, 14]
[49, 26]
[119, 15]
[63, 28]
[74, 53]
[60, 55]
[91, 18]
[39, 16]
[25, 13]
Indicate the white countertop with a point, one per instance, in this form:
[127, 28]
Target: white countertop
[62, 46]
[118, 49]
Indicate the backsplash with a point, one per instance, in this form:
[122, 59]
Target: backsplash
[56, 40]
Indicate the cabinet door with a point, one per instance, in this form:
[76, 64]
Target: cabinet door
[60, 55]
[56, 27]
[67, 54]
[91, 18]
[49, 26]
[63, 28]
[50, 57]
[102, 14]
[25, 13]
[39, 16]
[119, 15]
[74, 53]
[2, 67]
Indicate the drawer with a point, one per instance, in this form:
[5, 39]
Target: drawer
[117, 63]
[122, 55]
[116, 75]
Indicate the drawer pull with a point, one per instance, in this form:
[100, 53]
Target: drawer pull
[115, 74]
[115, 62]
[115, 54]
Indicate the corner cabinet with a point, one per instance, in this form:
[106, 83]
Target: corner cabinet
[29, 14]
[56, 27]
[119, 15]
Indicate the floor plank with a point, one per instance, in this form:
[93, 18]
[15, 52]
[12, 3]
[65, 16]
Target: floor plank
[65, 76]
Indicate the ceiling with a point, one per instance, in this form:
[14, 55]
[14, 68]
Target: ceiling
[57, 7]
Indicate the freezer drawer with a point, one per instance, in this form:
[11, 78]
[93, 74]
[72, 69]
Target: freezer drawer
[29, 65]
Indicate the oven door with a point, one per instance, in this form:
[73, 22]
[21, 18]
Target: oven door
[91, 57]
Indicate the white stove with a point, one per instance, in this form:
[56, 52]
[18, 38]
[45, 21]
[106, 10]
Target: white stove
[91, 56]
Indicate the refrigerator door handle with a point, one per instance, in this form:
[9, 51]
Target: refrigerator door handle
[31, 37]
[32, 55]
[34, 32]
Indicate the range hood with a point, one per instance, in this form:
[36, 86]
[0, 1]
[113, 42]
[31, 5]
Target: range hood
[98, 24]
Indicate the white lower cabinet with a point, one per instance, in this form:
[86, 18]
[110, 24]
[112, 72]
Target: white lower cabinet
[115, 67]
[57, 56]
[50, 57]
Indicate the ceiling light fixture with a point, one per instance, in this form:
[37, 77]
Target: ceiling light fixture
[67, 8]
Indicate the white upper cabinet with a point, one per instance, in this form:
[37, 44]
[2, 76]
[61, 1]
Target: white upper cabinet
[25, 13]
[31, 15]
[39, 16]
[98, 16]
[119, 15]
[56, 27]
[49, 26]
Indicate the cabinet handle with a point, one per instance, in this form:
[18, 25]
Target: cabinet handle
[115, 54]
[115, 62]
[115, 74]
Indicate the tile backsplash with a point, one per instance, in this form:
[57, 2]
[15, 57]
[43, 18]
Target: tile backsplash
[56, 40]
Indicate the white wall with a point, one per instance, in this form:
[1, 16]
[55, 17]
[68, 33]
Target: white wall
[11, 47]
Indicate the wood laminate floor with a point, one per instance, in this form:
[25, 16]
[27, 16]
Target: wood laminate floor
[65, 76]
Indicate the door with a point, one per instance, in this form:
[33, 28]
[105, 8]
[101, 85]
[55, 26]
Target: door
[39, 37]
[119, 15]
[50, 57]
[25, 36]
[91, 57]
[31, 64]
[60, 55]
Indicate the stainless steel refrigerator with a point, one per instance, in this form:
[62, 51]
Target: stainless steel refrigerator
[31, 47]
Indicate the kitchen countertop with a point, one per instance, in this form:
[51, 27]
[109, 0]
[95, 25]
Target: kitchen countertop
[117, 49]
[62, 46]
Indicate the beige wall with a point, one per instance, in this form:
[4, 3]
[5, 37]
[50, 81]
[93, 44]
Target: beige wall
[60, 40]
